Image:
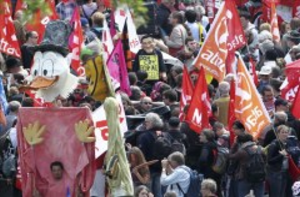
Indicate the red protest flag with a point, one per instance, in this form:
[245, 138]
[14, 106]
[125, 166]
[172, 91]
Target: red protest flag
[249, 108]
[200, 108]
[294, 171]
[8, 40]
[290, 85]
[231, 111]
[225, 36]
[296, 105]
[187, 91]
[75, 42]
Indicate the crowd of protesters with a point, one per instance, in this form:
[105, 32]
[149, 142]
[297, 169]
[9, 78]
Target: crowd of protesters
[153, 108]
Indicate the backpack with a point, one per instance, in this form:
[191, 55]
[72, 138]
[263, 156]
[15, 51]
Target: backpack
[195, 182]
[162, 146]
[165, 144]
[255, 167]
[221, 158]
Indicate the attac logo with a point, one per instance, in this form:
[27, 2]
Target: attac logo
[249, 108]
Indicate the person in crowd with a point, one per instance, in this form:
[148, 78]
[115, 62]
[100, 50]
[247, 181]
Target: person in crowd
[223, 102]
[140, 175]
[153, 124]
[175, 174]
[243, 157]
[264, 77]
[27, 54]
[201, 17]
[268, 99]
[136, 93]
[88, 8]
[19, 27]
[249, 27]
[176, 40]
[174, 72]
[207, 157]
[145, 105]
[65, 9]
[163, 13]
[175, 133]
[214, 115]
[88, 34]
[169, 97]
[278, 175]
[197, 29]
[149, 51]
[127, 104]
[170, 194]
[143, 191]
[11, 117]
[97, 24]
[209, 188]
[222, 135]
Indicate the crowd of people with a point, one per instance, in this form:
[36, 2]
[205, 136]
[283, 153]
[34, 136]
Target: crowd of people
[185, 163]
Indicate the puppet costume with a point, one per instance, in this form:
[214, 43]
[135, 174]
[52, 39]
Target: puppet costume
[46, 135]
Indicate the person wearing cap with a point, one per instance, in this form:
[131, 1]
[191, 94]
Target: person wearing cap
[88, 34]
[264, 77]
[293, 39]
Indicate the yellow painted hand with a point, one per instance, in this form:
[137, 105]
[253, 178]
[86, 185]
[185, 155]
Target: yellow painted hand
[33, 133]
[83, 131]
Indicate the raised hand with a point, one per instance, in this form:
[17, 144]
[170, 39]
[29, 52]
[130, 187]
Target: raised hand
[33, 133]
[84, 130]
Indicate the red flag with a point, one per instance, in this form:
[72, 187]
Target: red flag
[37, 102]
[249, 108]
[219, 42]
[20, 6]
[8, 40]
[290, 85]
[117, 68]
[231, 111]
[75, 42]
[187, 91]
[274, 23]
[40, 20]
[200, 109]
[296, 105]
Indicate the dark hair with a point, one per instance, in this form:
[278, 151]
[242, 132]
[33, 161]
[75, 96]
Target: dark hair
[190, 16]
[132, 78]
[27, 102]
[145, 37]
[214, 108]
[244, 12]
[209, 134]
[142, 75]
[28, 35]
[56, 163]
[238, 125]
[245, 138]
[266, 88]
[136, 93]
[139, 189]
[171, 95]
[12, 62]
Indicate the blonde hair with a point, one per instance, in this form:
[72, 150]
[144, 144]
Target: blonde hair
[97, 19]
[210, 185]
[265, 26]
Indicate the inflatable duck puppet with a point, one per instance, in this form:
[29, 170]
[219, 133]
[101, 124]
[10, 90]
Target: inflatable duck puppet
[50, 73]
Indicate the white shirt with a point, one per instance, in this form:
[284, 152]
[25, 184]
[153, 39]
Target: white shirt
[194, 27]
[180, 176]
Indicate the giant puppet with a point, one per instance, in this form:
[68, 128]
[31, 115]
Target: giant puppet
[47, 135]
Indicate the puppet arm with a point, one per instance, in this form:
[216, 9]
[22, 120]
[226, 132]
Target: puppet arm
[33, 133]
[83, 131]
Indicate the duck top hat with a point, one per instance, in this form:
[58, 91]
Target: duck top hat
[56, 37]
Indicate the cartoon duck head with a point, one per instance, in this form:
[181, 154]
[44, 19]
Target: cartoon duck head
[50, 73]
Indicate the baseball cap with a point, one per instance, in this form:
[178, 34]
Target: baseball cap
[265, 70]
[84, 22]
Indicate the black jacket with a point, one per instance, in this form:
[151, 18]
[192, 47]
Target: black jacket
[274, 158]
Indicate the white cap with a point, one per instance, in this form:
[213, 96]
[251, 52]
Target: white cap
[265, 70]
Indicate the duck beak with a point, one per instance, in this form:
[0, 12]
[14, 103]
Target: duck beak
[43, 83]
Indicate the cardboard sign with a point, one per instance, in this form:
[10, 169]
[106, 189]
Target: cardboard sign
[149, 63]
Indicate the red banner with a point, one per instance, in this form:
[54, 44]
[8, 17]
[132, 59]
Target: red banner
[187, 91]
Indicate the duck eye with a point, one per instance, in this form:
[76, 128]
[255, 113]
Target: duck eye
[35, 72]
[45, 72]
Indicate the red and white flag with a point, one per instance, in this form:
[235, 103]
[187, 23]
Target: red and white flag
[296, 105]
[225, 36]
[200, 108]
[75, 42]
[8, 40]
[274, 23]
[290, 86]
[249, 108]
[107, 40]
[117, 68]
[187, 91]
